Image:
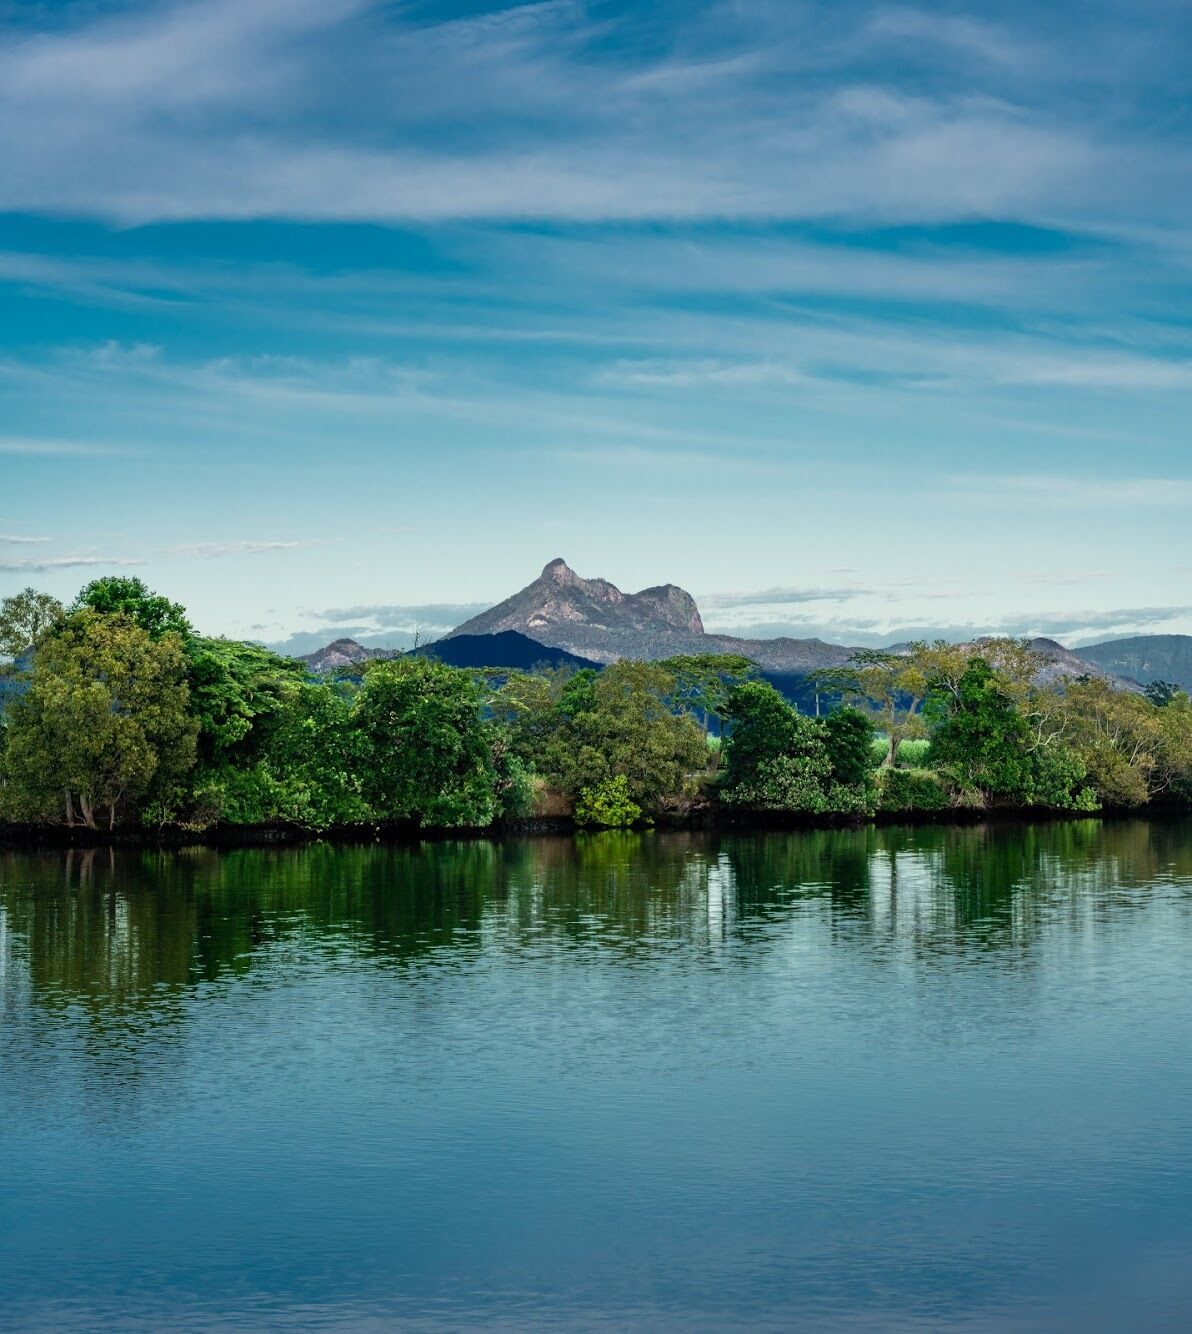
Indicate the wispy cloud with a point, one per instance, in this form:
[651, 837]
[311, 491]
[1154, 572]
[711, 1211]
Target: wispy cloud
[682, 375]
[13, 539]
[34, 448]
[1062, 491]
[44, 566]
[347, 111]
[776, 597]
[247, 547]
[188, 550]
[399, 615]
[1066, 626]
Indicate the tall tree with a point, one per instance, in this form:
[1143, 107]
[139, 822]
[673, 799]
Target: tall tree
[426, 749]
[104, 725]
[1135, 751]
[891, 687]
[779, 760]
[848, 735]
[703, 682]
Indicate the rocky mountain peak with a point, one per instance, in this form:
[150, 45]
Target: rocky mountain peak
[557, 571]
[563, 608]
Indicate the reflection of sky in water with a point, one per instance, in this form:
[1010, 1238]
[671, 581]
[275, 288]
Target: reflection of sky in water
[870, 1079]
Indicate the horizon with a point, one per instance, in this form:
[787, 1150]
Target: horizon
[856, 320]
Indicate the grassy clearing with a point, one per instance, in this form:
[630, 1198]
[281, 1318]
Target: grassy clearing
[911, 754]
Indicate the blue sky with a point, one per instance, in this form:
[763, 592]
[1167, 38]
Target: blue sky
[854, 319]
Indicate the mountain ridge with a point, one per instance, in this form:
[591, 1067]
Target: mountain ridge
[592, 618]
[593, 621]
[1144, 658]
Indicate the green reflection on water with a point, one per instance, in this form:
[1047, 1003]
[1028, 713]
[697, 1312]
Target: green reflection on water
[109, 930]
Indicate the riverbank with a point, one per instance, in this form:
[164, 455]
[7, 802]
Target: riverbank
[32, 836]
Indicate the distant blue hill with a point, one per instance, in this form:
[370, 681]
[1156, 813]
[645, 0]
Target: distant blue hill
[1145, 658]
[509, 650]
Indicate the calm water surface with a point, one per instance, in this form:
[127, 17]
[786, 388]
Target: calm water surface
[890, 1079]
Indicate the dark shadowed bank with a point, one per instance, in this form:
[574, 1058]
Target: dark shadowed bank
[31, 836]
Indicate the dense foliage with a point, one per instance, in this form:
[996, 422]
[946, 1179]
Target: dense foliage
[115, 713]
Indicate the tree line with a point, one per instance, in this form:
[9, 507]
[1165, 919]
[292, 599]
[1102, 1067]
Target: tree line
[117, 714]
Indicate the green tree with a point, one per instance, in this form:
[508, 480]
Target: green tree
[703, 682]
[238, 693]
[1161, 693]
[24, 618]
[891, 687]
[1134, 750]
[848, 735]
[762, 727]
[622, 724]
[985, 746]
[117, 595]
[304, 768]
[608, 805]
[104, 726]
[426, 750]
[776, 759]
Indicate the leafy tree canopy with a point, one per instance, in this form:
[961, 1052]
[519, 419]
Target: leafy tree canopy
[24, 618]
[426, 750]
[1161, 693]
[238, 693]
[117, 595]
[104, 725]
[848, 735]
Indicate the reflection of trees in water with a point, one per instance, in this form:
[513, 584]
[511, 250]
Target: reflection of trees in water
[105, 961]
[89, 929]
[620, 890]
[125, 935]
[997, 886]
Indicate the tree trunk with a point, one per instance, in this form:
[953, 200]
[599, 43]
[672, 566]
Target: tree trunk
[88, 813]
[69, 803]
[892, 753]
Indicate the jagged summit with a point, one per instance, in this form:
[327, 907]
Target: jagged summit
[559, 571]
[592, 617]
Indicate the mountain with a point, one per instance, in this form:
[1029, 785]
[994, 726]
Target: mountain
[563, 619]
[1145, 658]
[594, 619]
[1059, 661]
[344, 653]
[505, 649]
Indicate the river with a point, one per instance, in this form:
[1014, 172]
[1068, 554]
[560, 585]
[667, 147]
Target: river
[885, 1079]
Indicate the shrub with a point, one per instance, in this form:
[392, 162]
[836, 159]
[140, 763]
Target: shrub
[910, 790]
[608, 804]
[848, 735]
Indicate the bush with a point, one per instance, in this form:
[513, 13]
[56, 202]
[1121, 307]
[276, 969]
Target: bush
[910, 790]
[848, 735]
[784, 783]
[608, 804]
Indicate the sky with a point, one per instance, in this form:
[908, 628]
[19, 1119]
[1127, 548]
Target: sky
[857, 320]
